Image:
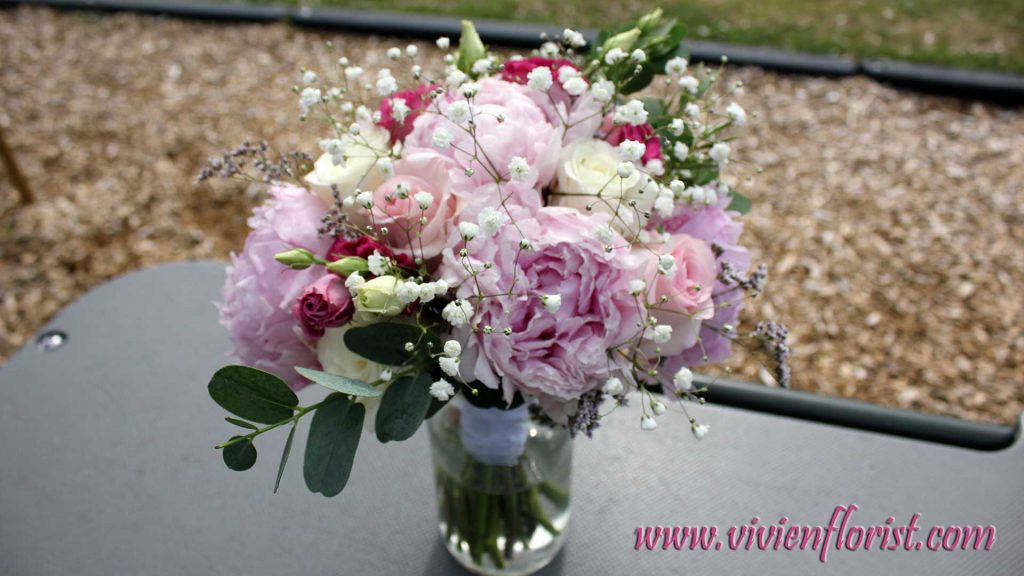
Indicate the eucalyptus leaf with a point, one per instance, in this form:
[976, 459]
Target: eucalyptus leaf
[253, 394]
[403, 408]
[739, 203]
[331, 447]
[384, 342]
[340, 383]
[284, 456]
[240, 456]
[241, 423]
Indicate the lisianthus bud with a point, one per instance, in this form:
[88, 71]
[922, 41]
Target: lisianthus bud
[298, 259]
[623, 41]
[348, 265]
[377, 296]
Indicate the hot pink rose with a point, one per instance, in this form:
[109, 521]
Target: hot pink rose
[553, 355]
[324, 304]
[420, 172]
[524, 131]
[643, 133]
[364, 247]
[518, 70]
[417, 100]
[686, 291]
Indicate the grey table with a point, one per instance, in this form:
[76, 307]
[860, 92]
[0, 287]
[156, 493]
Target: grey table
[107, 468]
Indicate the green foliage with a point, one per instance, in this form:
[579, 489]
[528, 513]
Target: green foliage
[384, 343]
[339, 383]
[252, 394]
[739, 202]
[284, 455]
[331, 447]
[241, 423]
[403, 408]
[239, 456]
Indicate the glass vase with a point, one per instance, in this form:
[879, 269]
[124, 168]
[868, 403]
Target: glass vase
[502, 482]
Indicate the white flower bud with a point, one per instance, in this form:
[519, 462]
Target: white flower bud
[683, 380]
[423, 200]
[449, 366]
[442, 390]
[647, 424]
[552, 302]
[613, 386]
[658, 407]
[468, 230]
[452, 349]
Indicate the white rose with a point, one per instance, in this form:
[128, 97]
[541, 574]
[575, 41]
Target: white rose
[336, 358]
[590, 167]
[360, 169]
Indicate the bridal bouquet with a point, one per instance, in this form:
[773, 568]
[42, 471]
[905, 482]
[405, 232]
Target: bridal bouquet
[521, 235]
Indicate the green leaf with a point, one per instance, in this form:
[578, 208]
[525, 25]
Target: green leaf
[252, 394]
[331, 447]
[340, 383]
[384, 342]
[739, 203]
[403, 408]
[284, 456]
[240, 456]
[241, 423]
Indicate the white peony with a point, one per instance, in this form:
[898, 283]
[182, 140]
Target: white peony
[358, 171]
[588, 176]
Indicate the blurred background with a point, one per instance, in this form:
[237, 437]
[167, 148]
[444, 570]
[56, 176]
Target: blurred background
[891, 221]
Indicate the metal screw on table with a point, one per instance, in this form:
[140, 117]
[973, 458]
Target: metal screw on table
[51, 340]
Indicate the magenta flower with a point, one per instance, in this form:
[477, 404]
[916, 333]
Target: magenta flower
[259, 293]
[325, 304]
[417, 100]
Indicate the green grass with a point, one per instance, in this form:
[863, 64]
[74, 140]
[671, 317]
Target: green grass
[968, 33]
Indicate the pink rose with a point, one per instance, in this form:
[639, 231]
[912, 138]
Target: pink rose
[324, 304]
[420, 172]
[556, 355]
[259, 293]
[713, 224]
[682, 299]
[643, 134]
[524, 132]
[417, 100]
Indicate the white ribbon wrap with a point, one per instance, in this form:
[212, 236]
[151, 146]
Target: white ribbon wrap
[494, 436]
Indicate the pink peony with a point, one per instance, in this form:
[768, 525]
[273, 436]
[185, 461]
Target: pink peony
[259, 293]
[555, 356]
[682, 299]
[420, 172]
[525, 132]
[644, 134]
[417, 100]
[582, 115]
[325, 304]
